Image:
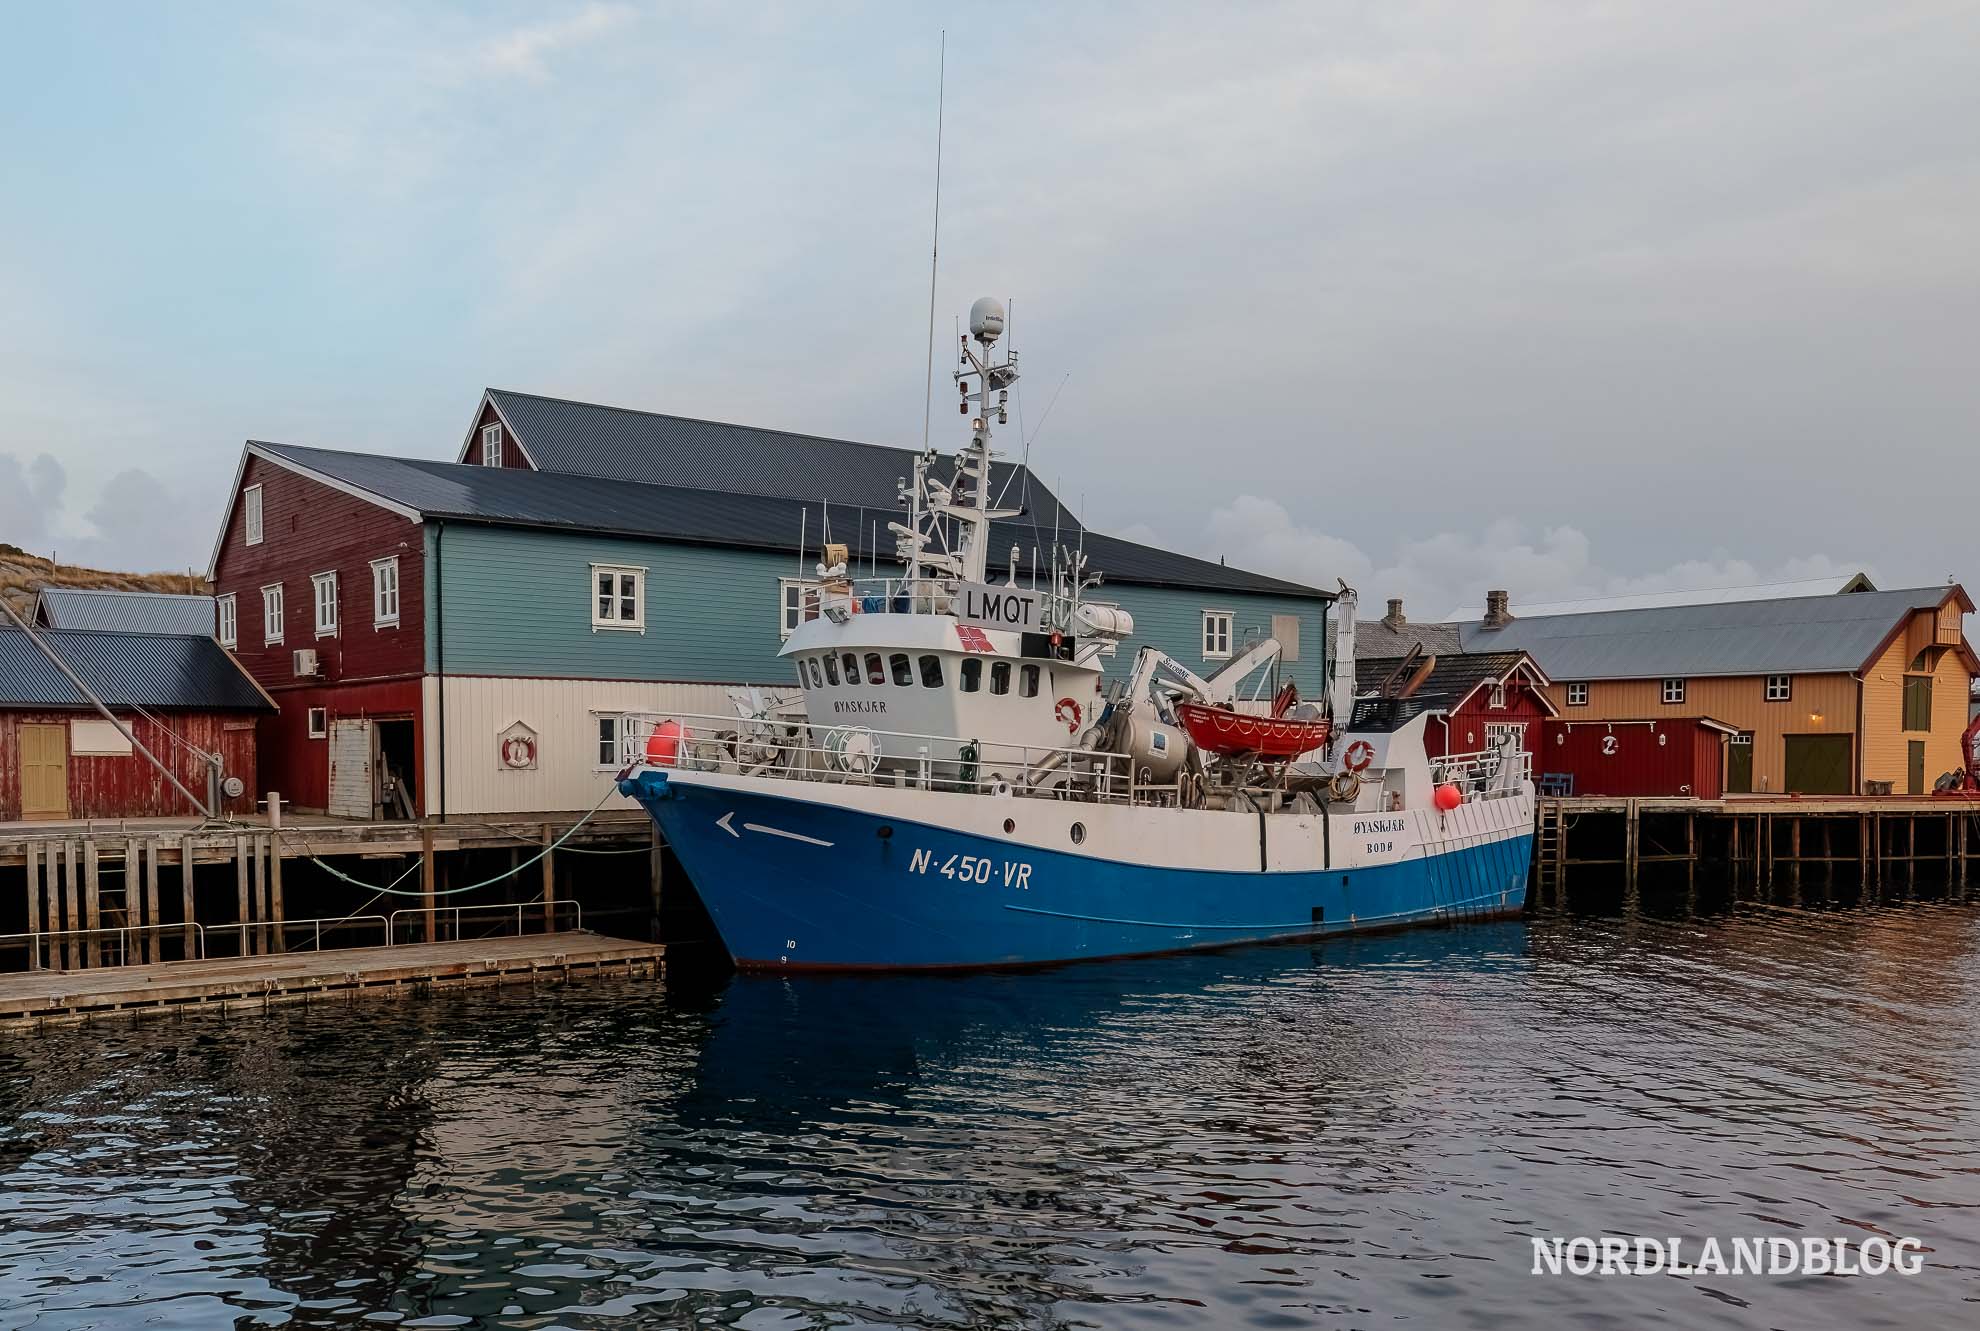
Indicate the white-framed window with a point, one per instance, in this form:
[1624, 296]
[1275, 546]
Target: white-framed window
[1577, 695]
[491, 445]
[319, 722]
[1497, 731]
[1497, 698]
[385, 592]
[229, 625]
[618, 597]
[1673, 690]
[271, 614]
[251, 514]
[325, 586]
[1216, 634]
[608, 742]
[1780, 688]
[790, 605]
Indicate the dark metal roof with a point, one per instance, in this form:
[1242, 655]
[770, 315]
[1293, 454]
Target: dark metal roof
[587, 439]
[459, 492]
[1377, 639]
[1451, 681]
[126, 612]
[149, 670]
[1793, 635]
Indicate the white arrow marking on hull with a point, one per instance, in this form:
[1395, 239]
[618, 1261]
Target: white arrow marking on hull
[794, 836]
[723, 823]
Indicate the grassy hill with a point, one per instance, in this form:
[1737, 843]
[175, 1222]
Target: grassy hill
[23, 574]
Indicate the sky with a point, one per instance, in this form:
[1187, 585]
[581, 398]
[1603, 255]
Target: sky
[1575, 299]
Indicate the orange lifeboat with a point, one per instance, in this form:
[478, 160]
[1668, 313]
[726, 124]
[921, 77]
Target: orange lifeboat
[1222, 731]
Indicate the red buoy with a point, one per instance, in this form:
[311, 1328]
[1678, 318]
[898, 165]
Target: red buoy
[663, 746]
[1448, 797]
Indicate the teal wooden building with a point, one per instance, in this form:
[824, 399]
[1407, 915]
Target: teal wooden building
[575, 562]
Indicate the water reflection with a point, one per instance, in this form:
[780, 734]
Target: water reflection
[1361, 1132]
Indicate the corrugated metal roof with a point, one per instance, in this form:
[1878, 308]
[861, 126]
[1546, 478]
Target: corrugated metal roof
[149, 670]
[588, 439]
[1758, 591]
[513, 497]
[1805, 634]
[126, 612]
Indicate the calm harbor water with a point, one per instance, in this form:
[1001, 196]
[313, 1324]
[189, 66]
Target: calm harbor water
[1360, 1134]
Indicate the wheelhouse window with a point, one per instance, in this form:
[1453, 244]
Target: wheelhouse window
[491, 445]
[790, 606]
[972, 674]
[251, 514]
[852, 668]
[1673, 691]
[1780, 688]
[618, 597]
[931, 672]
[832, 670]
[271, 614]
[608, 741]
[1028, 681]
[325, 587]
[875, 673]
[385, 592]
[903, 669]
[1216, 634]
[1577, 695]
[1000, 677]
[229, 625]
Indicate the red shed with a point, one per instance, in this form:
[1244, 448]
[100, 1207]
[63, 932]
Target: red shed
[179, 693]
[1681, 756]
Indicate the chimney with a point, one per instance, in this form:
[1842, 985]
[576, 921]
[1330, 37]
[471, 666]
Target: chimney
[1496, 614]
[1394, 619]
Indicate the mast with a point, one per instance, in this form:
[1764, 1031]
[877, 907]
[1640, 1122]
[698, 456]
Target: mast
[970, 507]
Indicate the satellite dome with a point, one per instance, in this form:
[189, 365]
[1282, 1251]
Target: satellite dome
[986, 320]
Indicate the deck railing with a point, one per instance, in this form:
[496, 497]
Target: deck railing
[1486, 774]
[858, 755]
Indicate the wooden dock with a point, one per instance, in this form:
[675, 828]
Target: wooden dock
[234, 983]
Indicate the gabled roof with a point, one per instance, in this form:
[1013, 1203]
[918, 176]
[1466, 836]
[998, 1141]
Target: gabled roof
[129, 612]
[502, 496]
[1794, 635]
[149, 670]
[589, 439]
[1456, 676]
[1377, 639]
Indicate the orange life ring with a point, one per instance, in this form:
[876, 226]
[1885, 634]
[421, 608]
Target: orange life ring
[1067, 711]
[1359, 754]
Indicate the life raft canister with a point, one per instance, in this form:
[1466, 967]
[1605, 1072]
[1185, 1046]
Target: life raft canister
[1359, 754]
[1067, 711]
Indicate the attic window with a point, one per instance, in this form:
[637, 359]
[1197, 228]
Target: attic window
[491, 445]
[1498, 697]
[251, 514]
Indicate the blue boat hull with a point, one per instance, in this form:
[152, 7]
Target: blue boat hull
[833, 888]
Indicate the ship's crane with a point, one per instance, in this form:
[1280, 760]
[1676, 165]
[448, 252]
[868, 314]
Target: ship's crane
[1157, 675]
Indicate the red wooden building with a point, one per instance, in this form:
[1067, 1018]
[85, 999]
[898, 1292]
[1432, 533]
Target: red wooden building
[1474, 698]
[1681, 756]
[178, 693]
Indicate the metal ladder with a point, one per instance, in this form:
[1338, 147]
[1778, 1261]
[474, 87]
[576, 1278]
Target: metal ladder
[1550, 852]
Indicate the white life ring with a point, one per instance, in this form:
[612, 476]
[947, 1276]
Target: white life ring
[1359, 754]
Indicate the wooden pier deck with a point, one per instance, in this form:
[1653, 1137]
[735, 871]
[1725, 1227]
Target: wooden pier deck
[34, 997]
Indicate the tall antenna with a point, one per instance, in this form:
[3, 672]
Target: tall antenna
[935, 242]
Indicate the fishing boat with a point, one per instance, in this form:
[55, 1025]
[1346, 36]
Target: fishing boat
[956, 783]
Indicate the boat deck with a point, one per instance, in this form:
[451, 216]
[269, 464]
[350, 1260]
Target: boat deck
[30, 998]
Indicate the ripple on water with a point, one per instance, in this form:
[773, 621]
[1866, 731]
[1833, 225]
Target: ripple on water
[1356, 1134]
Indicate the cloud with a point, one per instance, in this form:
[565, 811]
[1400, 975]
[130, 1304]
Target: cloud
[136, 522]
[521, 51]
[1452, 570]
[29, 496]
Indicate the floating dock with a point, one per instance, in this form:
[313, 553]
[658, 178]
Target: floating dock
[33, 998]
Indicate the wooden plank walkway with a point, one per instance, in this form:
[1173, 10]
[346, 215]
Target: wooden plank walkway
[30, 998]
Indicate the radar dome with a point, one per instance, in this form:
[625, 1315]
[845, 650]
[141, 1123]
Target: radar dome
[986, 319]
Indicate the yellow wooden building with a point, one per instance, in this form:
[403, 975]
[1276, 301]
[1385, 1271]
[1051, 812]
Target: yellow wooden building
[1857, 692]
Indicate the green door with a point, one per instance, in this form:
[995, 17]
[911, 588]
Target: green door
[1817, 764]
[1739, 764]
[1914, 767]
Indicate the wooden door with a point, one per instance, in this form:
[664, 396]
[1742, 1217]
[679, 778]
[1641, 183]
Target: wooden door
[1739, 764]
[1914, 768]
[44, 771]
[1818, 764]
